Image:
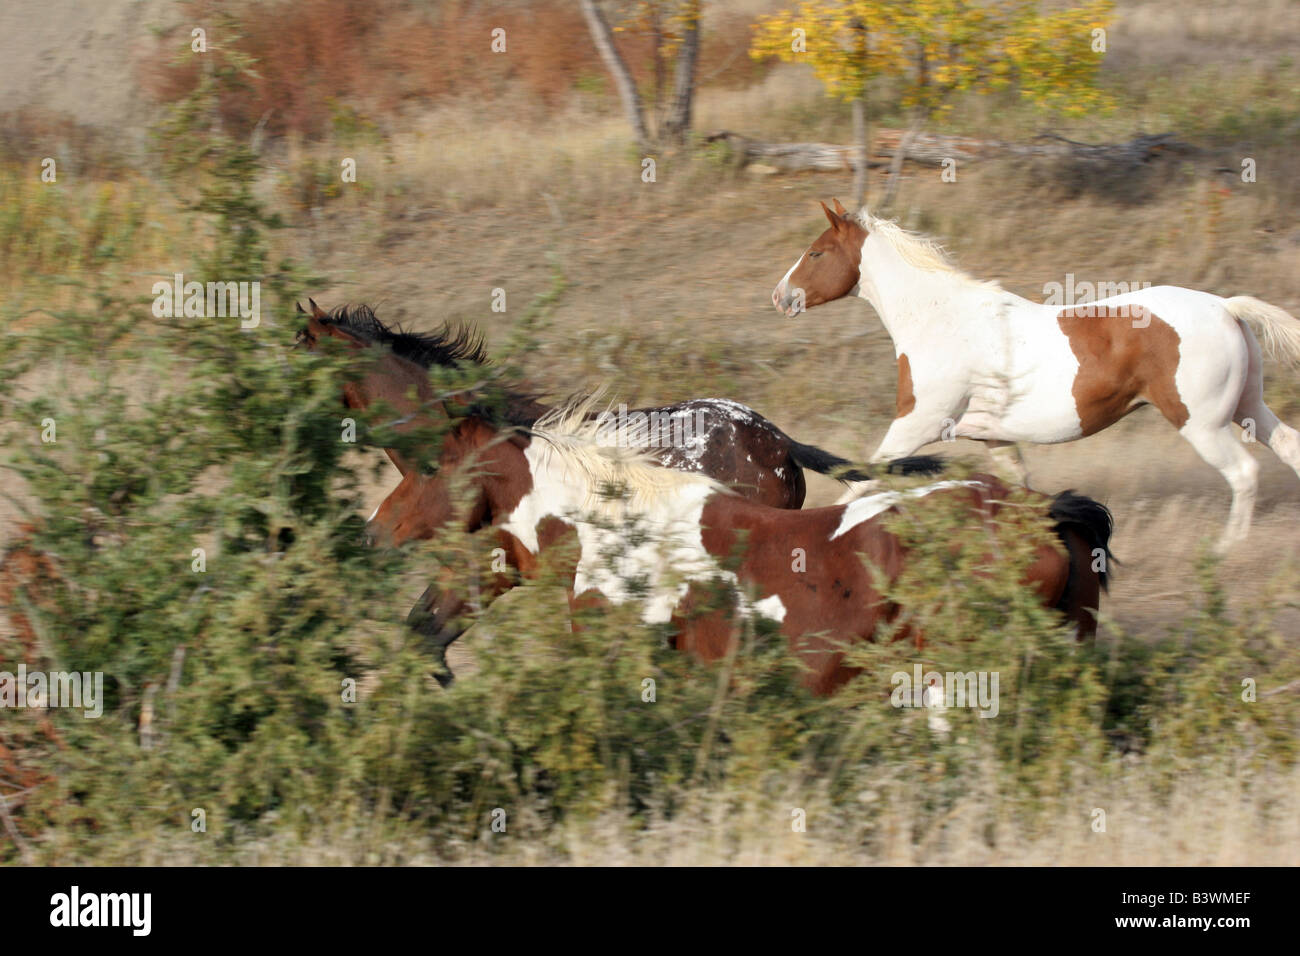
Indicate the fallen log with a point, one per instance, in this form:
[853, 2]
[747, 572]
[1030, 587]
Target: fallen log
[933, 149]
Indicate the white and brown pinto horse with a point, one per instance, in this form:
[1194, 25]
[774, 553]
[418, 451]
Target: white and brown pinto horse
[668, 538]
[1003, 369]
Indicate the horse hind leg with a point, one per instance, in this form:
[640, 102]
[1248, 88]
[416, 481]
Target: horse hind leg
[1281, 438]
[1257, 419]
[1222, 449]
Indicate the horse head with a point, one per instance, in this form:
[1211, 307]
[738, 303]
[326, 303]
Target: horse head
[828, 270]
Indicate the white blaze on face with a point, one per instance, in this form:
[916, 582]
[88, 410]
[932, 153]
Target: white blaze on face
[864, 509]
[782, 287]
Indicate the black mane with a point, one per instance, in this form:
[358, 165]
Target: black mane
[447, 346]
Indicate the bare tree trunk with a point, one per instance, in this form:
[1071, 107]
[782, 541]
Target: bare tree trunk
[603, 37]
[896, 164]
[679, 119]
[657, 40]
[861, 134]
[860, 140]
[905, 141]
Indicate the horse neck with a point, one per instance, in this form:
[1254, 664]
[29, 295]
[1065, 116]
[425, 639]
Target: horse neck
[554, 492]
[391, 381]
[493, 460]
[913, 301]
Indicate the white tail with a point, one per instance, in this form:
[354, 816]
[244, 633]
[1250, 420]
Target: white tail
[1279, 330]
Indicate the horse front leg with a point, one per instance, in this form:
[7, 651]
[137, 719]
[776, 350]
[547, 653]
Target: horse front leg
[438, 620]
[918, 427]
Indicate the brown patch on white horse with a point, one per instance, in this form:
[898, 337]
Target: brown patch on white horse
[906, 399]
[1122, 366]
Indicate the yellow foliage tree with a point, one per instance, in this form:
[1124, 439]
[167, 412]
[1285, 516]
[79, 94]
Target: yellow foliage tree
[939, 48]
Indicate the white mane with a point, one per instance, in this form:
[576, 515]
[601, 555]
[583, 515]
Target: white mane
[915, 249]
[613, 477]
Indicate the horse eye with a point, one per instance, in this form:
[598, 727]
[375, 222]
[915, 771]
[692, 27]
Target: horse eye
[814, 255]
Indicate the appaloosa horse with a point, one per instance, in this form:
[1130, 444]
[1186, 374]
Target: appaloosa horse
[979, 362]
[554, 482]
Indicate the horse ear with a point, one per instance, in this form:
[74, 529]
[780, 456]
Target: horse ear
[316, 310]
[835, 220]
[301, 310]
[839, 207]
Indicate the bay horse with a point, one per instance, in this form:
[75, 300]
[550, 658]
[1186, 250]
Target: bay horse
[552, 483]
[1003, 369]
[716, 437]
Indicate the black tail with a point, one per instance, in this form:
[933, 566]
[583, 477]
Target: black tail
[841, 469]
[1089, 518]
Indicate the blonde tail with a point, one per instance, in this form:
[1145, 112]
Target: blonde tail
[1279, 330]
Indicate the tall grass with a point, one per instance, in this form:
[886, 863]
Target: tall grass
[226, 688]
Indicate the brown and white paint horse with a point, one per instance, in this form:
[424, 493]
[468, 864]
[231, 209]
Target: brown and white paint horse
[730, 443]
[553, 483]
[1004, 369]
[724, 440]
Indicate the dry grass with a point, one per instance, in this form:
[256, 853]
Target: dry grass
[1207, 820]
[666, 297]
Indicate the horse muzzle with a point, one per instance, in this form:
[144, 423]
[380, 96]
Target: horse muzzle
[786, 302]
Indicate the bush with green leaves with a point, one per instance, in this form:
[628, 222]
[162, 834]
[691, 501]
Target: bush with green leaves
[201, 512]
